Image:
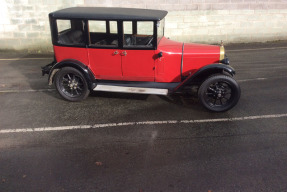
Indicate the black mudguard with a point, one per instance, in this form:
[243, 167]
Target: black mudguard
[47, 68]
[204, 72]
[75, 64]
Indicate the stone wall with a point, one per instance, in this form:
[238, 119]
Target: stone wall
[24, 23]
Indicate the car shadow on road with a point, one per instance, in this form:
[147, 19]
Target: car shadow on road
[186, 101]
[114, 95]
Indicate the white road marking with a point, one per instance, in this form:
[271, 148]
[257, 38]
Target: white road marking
[43, 129]
[257, 49]
[256, 79]
[15, 59]
[25, 90]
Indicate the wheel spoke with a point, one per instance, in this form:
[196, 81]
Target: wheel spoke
[66, 87]
[65, 80]
[211, 89]
[217, 86]
[209, 100]
[226, 98]
[221, 102]
[74, 78]
[74, 92]
[69, 76]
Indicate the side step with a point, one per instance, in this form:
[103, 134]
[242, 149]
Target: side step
[140, 90]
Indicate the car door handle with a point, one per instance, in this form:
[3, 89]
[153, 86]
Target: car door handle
[124, 53]
[116, 52]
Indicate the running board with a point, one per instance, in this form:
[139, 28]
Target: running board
[140, 90]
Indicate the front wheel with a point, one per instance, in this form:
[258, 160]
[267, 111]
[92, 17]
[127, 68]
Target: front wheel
[71, 84]
[219, 93]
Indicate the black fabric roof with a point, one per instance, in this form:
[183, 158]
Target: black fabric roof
[110, 13]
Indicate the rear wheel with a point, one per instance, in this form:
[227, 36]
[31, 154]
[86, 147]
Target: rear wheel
[219, 93]
[71, 84]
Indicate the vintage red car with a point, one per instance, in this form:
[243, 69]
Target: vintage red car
[124, 50]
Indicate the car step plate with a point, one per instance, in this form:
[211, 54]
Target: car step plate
[140, 90]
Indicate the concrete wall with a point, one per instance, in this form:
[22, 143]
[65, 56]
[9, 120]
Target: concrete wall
[24, 23]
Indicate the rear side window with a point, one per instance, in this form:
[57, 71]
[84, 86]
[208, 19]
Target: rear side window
[63, 25]
[71, 32]
[103, 33]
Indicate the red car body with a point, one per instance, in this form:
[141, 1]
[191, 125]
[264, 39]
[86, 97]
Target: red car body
[106, 65]
[131, 54]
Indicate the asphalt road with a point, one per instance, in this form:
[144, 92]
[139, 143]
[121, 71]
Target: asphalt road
[165, 144]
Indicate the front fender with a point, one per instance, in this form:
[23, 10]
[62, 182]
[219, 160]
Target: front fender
[75, 64]
[205, 72]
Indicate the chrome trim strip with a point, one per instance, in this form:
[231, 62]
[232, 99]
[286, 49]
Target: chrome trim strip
[181, 66]
[139, 90]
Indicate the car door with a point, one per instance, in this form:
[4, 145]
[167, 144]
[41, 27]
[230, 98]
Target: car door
[104, 54]
[138, 63]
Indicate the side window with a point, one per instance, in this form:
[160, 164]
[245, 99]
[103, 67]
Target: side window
[97, 26]
[139, 36]
[63, 25]
[113, 27]
[103, 33]
[71, 32]
[145, 28]
[128, 27]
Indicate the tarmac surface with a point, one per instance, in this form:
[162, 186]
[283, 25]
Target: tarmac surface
[144, 143]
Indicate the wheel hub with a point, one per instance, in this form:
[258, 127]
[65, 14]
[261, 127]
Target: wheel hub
[220, 94]
[73, 84]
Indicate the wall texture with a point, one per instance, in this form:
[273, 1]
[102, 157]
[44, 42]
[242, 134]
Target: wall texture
[24, 23]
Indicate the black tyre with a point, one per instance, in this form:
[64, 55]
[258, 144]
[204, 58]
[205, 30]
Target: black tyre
[71, 84]
[219, 93]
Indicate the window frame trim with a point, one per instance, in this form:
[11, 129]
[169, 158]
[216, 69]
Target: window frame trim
[107, 32]
[54, 34]
[134, 29]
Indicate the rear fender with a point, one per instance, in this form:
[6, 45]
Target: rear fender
[75, 64]
[204, 73]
